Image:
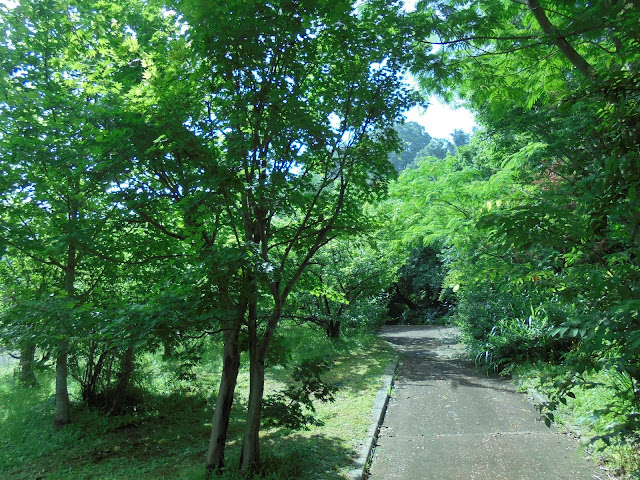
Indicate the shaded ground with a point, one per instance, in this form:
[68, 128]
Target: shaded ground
[167, 433]
[446, 421]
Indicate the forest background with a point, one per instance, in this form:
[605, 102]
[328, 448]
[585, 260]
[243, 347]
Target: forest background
[206, 212]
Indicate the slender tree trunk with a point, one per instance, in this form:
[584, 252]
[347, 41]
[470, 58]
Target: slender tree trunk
[250, 456]
[27, 375]
[61, 416]
[559, 40]
[126, 370]
[258, 346]
[333, 326]
[224, 402]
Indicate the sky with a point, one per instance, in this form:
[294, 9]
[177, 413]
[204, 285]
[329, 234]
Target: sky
[441, 119]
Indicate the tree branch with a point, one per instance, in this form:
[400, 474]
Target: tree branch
[147, 218]
[559, 40]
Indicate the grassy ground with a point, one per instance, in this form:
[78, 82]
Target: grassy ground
[167, 436]
[589, 414]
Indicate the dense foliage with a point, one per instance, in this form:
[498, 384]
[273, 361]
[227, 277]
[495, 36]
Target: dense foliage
[539, 214]
[172, 169]
[181, 178]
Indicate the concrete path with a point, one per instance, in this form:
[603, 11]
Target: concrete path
[448, 421]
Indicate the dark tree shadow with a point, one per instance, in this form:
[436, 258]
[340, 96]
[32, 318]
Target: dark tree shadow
[299, 457]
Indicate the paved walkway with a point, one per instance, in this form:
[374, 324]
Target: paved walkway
[447, 421]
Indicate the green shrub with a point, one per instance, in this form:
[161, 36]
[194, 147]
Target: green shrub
[502, 330]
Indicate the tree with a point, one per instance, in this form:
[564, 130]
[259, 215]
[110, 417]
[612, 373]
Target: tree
[48, 193]
[416, 142]
[340, 168]
[63, 85]
[460, 138]
[345, 285]
[23, 283]
[555, 85]
[295, 140]
[524, 51]
[420, 286]
[437, 147]
[414, 138]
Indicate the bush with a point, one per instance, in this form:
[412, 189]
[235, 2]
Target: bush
[501, 332]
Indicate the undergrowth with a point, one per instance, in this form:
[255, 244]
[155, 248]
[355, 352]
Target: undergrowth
[165, 434]
[592, 411]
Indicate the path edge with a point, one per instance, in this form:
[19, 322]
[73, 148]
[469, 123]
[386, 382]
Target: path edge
[377, 414]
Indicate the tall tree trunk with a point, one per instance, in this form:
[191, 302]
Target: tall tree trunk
[250, 456]
[61, 416]
[27, 375]
[224, 402]
[126, 370]
[333, 329]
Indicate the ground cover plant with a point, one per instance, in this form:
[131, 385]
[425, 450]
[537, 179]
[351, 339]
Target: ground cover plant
[596, 410]
[163, 434]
